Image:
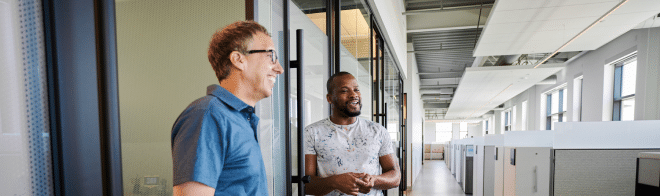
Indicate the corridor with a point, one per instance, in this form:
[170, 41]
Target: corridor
[435, 179]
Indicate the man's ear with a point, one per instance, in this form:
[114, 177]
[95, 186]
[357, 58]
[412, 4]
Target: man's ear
[328, 97]
[238, 60]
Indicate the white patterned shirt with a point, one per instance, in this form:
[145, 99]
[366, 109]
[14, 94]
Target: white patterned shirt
[347, 148]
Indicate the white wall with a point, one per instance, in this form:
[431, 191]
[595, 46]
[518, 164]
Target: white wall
[429, 132]
[596, 94]
[415, 120]
[475, 129]
[392, 23]
[455, 131]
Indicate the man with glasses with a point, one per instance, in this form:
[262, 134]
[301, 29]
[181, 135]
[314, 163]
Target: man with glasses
[214, 141]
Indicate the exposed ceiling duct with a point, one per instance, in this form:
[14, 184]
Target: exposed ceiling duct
[436, 105]
[438, 97]
[442, 91]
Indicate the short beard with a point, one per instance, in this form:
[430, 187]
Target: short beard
[349, 113]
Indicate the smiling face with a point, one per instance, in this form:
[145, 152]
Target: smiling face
[345, 96]
[261, 72]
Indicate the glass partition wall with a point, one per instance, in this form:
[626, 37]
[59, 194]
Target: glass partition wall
[354, 48]
[157, 81]
[310, 16]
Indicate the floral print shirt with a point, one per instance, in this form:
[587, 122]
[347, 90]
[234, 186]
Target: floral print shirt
[347, 148]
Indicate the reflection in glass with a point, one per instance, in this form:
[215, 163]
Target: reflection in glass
[309, 16]
[354, 49]
[392, 90]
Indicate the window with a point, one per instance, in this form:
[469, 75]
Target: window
[443, 132]
[625, 73]
[577, 99]
[523, 121]
[463, 133]
[555, 107]
[491, 126]
[513, 118]
[506, 120]
[486, 126]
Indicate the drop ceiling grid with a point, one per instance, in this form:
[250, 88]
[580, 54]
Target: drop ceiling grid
[544, 26]
[474, 91]
[532, 4]
[551, 13]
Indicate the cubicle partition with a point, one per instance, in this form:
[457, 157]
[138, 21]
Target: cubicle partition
[491, 142]
[462, 163]
[478, 167]
[467, 162]
[599, 158]
[527, 163]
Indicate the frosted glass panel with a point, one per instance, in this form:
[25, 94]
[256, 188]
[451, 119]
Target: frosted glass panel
[628, 82]
[25, 154]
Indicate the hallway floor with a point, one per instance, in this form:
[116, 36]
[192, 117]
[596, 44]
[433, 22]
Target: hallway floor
[435, 179]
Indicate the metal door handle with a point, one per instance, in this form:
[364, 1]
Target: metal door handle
[300, 91]
[534, 180]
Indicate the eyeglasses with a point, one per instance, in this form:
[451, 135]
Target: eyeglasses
[273, 54]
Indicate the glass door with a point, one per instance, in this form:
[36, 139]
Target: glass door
[307, 100]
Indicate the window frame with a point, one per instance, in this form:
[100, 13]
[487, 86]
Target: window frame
[561, 110]
[506, 120]
[617, 97]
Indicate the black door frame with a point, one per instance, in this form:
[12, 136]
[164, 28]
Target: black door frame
[81, 61]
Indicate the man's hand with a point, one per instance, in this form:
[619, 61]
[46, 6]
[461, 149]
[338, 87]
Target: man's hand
[368, 183]
[348, 183]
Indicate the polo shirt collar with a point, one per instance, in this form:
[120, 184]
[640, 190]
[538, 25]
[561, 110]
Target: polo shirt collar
[228, 98]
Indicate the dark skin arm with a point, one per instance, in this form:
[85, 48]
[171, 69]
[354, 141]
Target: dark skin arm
[346, 182]
[352, 183]
[389, 179]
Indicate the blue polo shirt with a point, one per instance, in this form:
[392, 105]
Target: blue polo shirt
[214, 142]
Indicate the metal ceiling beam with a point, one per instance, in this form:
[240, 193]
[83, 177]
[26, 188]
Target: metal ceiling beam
[434, 73]
[446, 9]
[438, 86]
[446, 57]
[455, 56]
[461, 37]
[466, 54]
[444, 35]
[443, 62]
[421, 66]
[439, 79]
[436, 105]
[448, 32]
[440, 50]
[442, 29]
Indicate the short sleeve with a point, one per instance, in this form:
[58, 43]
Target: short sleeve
[386, 144]
[309, 141]
[198, 152]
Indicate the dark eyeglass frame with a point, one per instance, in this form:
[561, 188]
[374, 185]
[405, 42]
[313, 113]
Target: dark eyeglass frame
[273, 54]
